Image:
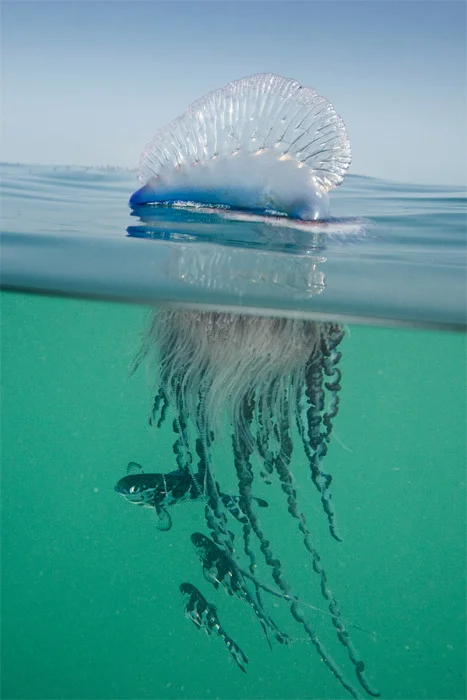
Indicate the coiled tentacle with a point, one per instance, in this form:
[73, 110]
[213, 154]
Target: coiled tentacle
[161, 404]
[309, 422]
[331, 358]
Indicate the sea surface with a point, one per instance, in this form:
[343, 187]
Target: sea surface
[91, 608]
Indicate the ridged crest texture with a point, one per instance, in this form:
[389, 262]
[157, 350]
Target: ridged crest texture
[251, 116]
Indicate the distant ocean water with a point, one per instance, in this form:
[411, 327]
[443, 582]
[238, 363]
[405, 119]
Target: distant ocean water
[90, 600]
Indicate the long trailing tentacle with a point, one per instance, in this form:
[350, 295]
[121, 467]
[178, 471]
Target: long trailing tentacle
[279, 635]
[309, 421]
[252, 568]
[285, 477]
[245, 479]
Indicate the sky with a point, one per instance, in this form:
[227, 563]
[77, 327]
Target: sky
[90, 82]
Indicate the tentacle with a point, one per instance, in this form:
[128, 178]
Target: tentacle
[313, 438]
[263, 447]
[246, 531]
[279, 635]
[160, 398]
[264, 431]
[215, 511]
[330, 339]
[181, 446]
[252, 568]
[285, 476]
[245, 478]
[299, 617]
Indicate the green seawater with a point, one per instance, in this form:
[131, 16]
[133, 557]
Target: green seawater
[90, 603]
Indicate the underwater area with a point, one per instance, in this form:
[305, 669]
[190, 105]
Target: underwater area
[91, 606]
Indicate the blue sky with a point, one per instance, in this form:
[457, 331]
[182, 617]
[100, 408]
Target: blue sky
[90, 82]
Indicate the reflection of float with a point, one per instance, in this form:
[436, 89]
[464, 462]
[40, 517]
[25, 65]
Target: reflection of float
[235, 252]
[219, 270]
[236, 248]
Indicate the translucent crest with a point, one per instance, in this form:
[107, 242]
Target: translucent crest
[263, 142]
